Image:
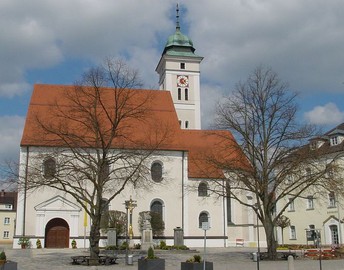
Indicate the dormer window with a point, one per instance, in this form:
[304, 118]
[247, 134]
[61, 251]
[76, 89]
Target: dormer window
[334, 140]
[313, 145]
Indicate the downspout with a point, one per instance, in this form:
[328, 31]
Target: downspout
[183, 178]
[25, 188]
[224, 215]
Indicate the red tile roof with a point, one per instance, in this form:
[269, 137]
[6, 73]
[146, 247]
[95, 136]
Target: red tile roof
[156, 124]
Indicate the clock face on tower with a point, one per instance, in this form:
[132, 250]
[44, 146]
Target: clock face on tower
[182, 81]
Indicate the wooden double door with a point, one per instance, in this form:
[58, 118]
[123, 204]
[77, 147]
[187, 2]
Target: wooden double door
[57, 234]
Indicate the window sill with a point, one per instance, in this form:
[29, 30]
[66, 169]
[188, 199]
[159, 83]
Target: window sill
[309, 209]
[291, 210]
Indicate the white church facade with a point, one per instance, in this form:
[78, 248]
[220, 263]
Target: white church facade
[180, 194]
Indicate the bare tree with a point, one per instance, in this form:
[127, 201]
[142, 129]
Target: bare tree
[89, 131]
[262, 115]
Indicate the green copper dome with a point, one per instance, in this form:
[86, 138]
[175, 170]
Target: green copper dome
[179, 39]
[179, 44]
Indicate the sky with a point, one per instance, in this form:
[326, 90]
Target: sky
[54, 42]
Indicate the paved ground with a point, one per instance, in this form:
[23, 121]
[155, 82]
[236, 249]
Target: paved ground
[223, 259]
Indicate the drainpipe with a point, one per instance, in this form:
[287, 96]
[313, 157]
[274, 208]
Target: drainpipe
[224, 213]
[183, 186]
[25, 188]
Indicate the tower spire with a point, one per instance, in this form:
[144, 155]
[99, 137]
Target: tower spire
[177, 18]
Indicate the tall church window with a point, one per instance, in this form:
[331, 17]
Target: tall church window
[202, 190]
[156, 172]
[156, 207]
[179, 94]
[229, 203]
[182, 65]
[203, 217]
[157, 218]
[49, 168]
[186, 94]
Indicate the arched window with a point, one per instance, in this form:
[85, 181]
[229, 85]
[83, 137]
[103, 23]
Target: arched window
[157, 218]
[203, 217]
[49, 168]
[156, 207]
[156, 172]
[202, 190]
[186, 94]
[186, 124]
[179, 93]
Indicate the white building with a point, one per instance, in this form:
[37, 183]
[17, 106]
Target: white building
[8, 207]
[318, 210]
[180, 195]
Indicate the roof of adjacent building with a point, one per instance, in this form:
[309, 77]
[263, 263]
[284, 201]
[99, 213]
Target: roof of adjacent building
[9, 198]
[51, 108]
[325, 147]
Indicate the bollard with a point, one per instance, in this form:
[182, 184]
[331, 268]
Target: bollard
[291, 263]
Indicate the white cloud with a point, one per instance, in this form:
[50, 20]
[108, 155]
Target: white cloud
[329, 114]
[43, 34]
[210, 96]
[11, 128]
[302, 42]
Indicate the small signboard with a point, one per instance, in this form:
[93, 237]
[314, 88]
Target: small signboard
[205, 226]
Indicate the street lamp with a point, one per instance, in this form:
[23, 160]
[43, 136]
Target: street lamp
[129, 206]
[258, 246]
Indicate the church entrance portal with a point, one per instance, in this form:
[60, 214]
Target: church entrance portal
[57, 234]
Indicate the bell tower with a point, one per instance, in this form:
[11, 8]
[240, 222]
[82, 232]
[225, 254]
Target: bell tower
[179, 73]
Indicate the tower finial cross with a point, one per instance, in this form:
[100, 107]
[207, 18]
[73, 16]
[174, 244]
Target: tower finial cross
[177, 17]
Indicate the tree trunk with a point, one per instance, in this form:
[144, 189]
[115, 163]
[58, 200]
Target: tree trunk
[94, 242]
[271, 239]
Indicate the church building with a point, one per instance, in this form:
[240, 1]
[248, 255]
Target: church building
[179, 192]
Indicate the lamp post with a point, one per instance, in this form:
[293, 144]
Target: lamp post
[258, 246]
[339, 224]
[129, 206]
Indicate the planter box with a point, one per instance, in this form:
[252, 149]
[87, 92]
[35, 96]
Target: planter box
[196, 266]
[155, 264]
[9, 266]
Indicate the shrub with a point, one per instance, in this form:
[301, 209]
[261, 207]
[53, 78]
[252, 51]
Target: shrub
[3, 255]
[124, 246]
[150, 254]
[73, 243]
[137, 246]
[183, 247]
[162, 244]
[24, 241]
[195, 259]
[111, 248]
[38, 243]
